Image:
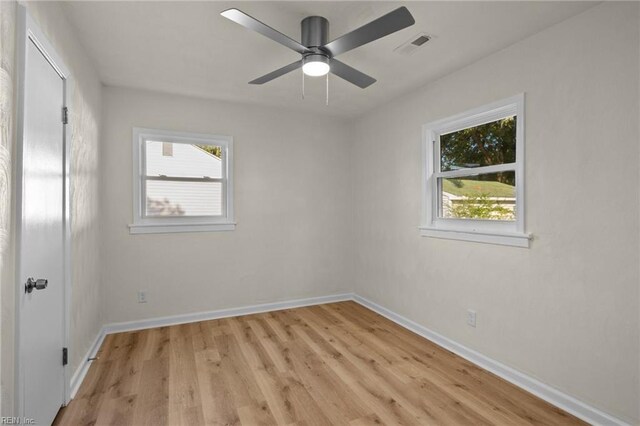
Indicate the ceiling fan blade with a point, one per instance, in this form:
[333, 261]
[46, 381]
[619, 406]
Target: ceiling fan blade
[277, 73]
[390, 23]
[247, 21]
[352, 75]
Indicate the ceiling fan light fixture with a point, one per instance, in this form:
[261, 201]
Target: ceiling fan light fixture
[316, 65]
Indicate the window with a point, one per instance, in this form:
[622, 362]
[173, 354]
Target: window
[474, 175]
[182, 182]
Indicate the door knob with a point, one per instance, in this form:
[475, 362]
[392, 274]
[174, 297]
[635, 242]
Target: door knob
[39, 284]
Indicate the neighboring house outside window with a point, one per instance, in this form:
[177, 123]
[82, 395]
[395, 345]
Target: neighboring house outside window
[182, 182]
[167, 149]
[473, 186]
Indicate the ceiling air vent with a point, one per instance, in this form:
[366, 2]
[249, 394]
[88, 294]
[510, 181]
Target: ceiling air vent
[411, 45]
[421, 40]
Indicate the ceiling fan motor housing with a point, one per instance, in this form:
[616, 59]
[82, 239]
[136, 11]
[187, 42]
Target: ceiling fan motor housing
[315, 31]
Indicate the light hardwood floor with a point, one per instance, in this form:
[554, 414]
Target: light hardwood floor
[337, 364]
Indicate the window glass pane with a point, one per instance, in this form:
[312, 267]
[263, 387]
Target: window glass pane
[167, 198]
[183, 160]
[490, 196]
[484, 145]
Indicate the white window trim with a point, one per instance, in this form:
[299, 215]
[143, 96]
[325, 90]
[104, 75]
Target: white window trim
[511, 233]
[152, 225]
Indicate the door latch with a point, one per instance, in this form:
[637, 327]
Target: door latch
[39, 284]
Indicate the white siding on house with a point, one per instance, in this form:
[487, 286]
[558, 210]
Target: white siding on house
[178, 198]
[166, 198]
[187, 161]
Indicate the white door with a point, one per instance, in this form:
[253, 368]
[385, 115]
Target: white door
[41, 257]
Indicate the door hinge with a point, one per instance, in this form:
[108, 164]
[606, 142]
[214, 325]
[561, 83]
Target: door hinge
[65, 115]
[65, 356]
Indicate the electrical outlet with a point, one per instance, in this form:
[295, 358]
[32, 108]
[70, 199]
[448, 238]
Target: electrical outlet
[142, 296]
[471, 317]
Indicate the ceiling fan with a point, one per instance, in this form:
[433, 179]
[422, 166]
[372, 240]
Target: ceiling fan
[318, 56]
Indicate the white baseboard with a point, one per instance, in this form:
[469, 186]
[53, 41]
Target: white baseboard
[119, 327]
[553, 396]
[83, 368]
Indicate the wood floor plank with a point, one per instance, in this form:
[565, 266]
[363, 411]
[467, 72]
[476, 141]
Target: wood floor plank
[90, 396]
[117, 411]
[324, 385]
[152, 406]
[338, 363]
[127, 357]
[269, 379]
[269, 342]
[184, 391]
[217, 406]
[370, 420]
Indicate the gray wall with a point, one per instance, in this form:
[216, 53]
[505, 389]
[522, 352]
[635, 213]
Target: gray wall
[566, 310]
[292, 206]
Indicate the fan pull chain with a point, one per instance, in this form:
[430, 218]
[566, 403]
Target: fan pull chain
[327, 103]
[303, 85]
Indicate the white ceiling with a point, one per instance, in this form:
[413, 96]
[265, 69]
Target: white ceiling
[188, 48]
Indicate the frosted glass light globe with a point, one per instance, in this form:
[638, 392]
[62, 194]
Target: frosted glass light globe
[316, 65]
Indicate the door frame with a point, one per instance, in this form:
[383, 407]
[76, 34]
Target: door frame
[29, 32]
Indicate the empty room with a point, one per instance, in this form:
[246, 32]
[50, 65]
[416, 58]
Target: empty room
[319, 213]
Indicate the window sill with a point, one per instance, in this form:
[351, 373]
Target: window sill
[165, 228]
[500, 238]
